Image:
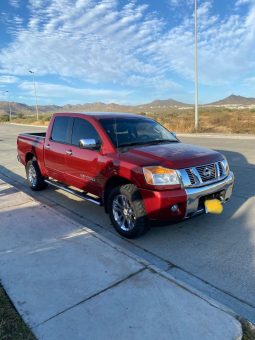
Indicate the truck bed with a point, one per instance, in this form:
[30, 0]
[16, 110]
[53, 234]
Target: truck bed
[34, 134]
[30, 143]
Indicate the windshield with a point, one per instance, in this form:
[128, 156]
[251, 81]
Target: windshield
[136, 131]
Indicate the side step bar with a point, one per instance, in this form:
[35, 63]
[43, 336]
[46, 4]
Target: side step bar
[77, 193]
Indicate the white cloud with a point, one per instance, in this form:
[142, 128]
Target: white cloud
[250, 81]
[243, 2]
[225, 47]
[57, 91]
[102, 42]
[14, 3]
[176, 3]
[8, 79]
[91, 40]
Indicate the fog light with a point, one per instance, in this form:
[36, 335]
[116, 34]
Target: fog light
[174, 208]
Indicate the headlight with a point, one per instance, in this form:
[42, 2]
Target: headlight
[225, 166]
[157, 175]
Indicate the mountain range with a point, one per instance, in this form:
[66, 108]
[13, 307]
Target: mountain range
[156, 105]
[235, 100]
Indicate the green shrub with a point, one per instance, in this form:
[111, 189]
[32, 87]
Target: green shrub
[45, 118]
[4, 118]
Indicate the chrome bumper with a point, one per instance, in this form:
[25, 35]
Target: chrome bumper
[194, 195]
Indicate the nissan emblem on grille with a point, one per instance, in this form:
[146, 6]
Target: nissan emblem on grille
[207, 172]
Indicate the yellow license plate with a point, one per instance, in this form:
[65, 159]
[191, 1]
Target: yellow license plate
[213, 206]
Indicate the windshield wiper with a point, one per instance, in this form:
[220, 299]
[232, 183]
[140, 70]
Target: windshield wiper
[162, 141]
[148, 142]
[131, 144]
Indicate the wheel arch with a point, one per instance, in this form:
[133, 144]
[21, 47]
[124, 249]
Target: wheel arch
[113, 182]
[29, 157]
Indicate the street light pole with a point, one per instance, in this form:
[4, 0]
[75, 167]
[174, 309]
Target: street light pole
[10, 110]
[196, 70]
[36, 105]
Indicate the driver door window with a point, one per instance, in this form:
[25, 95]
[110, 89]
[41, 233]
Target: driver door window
[82, 129]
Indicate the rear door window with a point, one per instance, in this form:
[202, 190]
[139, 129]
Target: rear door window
[61, 129]
[82, 129]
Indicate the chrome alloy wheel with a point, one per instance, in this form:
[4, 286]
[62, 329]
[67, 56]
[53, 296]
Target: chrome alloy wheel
[123, 213]
[32, 176]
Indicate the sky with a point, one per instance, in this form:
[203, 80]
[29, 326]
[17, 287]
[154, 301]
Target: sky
[127, 52]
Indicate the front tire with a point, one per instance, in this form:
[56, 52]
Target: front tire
[127, 213]
[34, 176]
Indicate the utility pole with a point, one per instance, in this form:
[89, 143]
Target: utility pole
[36, 105]
[196, 70]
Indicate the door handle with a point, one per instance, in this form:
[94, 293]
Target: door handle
[69, 152]
[47, 146]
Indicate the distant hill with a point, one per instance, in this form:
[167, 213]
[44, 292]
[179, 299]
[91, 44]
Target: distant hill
[18, 108]
[47, 108]
[164, 104]
[154, 106]
[15, 108]
[97, 107]
[235, 100]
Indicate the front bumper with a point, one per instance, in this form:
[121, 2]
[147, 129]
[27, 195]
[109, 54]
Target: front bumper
[195, 196]
[190, 201]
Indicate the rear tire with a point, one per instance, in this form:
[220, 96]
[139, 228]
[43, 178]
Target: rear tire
[127, 213]
[34, 177]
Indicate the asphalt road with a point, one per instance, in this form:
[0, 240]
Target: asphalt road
[215, 254]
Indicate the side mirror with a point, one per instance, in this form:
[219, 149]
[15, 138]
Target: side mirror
[174, 134]
[89, 143]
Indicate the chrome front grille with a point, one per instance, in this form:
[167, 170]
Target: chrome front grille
[191, 176]
[202, 174]
[221, 169]
[206, 172]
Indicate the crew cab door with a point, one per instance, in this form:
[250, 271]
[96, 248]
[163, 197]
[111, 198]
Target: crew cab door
[56, 147]
[82, 164]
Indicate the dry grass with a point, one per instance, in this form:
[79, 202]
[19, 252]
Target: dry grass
[11, 325]
[248, 330]
[211, 120]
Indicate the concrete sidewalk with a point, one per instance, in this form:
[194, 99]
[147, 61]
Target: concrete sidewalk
[68, 282]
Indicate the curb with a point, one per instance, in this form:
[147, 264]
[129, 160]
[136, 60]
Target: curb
[219, 136]
[19, 124]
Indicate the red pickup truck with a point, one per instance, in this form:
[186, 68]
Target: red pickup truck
[129, 163]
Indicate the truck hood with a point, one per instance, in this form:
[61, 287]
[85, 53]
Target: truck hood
[173, 155]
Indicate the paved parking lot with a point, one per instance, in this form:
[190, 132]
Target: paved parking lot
[213, 253]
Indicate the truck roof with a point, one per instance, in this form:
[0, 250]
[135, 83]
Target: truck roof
[99, 115]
